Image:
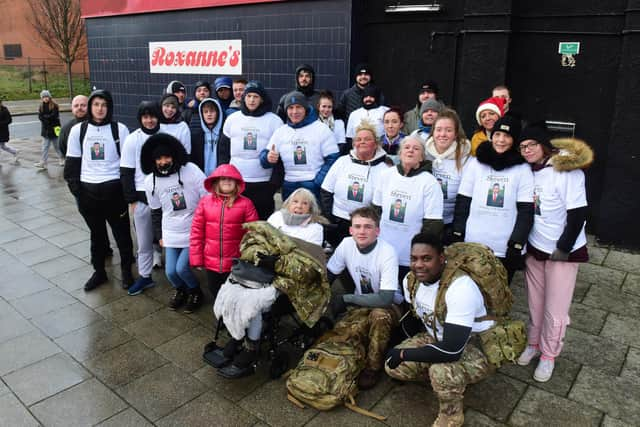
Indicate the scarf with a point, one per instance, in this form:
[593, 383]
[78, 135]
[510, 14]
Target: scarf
[295, 219]
[329, 121]
[449, 154]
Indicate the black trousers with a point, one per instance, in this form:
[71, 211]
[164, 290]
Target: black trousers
[215, 281]
[337, 231]
[261, 194]
[102, 202]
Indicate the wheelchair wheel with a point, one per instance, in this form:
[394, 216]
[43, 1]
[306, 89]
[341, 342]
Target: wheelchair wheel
[279, 365]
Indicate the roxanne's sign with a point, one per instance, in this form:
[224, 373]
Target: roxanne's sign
[196, 57]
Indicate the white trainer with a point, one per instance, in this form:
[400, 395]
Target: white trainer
[544, 370]
[157, 259]
[528, 355]
[16, 158]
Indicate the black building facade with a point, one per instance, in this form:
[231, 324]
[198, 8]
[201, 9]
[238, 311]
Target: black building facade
[467, 46]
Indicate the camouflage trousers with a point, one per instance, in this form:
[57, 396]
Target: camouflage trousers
[374, 326]
[448, 380]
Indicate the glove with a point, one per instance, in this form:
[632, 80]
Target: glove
[393, 358]
[514, 258]
[337, 305]
[268, 262]
[559, 255]
[456, 237]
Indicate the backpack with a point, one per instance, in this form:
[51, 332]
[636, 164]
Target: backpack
[327, 374]
[114, 133]
[507, 339]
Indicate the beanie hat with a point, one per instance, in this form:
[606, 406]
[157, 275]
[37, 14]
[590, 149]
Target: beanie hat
[45, 93]
[223, 82]
[295, 97]
[371, 90]
[510, 125]
[202, 83]
[362, 68]
[431, 104]
[170, 99]
[428, 86]
[176, 86]
[254, 86]
[536, 132]
[495, 104]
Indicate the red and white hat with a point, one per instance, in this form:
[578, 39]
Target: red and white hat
[495, 104]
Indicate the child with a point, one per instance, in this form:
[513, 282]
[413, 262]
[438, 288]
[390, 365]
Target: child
[5, 121]
[49, 116]
[217, 225]
[173, 189]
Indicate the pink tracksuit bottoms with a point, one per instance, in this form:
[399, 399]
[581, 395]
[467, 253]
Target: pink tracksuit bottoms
[550, 286]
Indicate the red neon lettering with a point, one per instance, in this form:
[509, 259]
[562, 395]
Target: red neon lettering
[195, 58]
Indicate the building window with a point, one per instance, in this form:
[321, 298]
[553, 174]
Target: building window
[12, 51]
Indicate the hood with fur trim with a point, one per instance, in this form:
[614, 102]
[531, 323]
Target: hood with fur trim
[572, 154]
[173, 146]
[486, 154]
[228, 171]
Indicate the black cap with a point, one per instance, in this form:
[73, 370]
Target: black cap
[510, 125]
[429, 86]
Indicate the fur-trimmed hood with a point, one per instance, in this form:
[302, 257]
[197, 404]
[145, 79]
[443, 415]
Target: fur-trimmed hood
[571, 154]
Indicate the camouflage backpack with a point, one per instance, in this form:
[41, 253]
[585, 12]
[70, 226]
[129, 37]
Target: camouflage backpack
[507, 339]
[327, 375]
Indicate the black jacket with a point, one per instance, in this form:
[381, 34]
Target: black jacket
[5, 120]
[49, 118]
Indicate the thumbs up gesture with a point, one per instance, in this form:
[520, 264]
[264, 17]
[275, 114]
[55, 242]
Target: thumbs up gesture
[273, 155]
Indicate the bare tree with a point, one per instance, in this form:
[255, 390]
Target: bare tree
[60, 26]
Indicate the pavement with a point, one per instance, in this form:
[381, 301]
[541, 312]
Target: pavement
[71, 358]
[30, 106]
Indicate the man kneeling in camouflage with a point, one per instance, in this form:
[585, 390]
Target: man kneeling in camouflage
[444, 353]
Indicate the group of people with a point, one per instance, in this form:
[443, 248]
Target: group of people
[383, 191]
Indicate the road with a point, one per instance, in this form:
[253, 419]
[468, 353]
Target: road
[29, 126]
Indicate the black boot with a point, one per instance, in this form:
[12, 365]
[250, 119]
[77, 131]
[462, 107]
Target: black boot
[127, 277]
[96, 279]
[194, 300]
[244, 363]
[179, 297]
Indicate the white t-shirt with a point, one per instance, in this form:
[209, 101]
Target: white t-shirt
[352, 184]
[449, 178]
[374, 115]
[178, 202]
[249, 136]
[371, 272]
[100, 158]
[494, 195]
[464, 304]
[131, 155]
[312, 233]
[405, 202]
[180, 131]
[555, 193]
[303, 150]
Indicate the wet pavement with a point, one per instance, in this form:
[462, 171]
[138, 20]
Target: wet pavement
[71, 358]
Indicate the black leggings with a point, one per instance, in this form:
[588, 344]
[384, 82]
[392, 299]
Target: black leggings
[215, 281]
[102, 202]
[261, 194]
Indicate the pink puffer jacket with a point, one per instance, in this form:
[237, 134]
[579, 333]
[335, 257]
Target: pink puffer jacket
[216, 229]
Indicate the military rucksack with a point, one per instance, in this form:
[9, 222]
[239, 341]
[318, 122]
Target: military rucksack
[327, 374]
[507, 339]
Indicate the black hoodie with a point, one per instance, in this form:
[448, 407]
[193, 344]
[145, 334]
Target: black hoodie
[312, 95]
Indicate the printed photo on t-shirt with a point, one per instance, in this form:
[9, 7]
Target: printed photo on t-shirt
[97, 151]
[300, 155]
[495, 196]
[443, 184]
[536, 203]
[178, 202]
[397, 211]
[365, 284]
[355, 192]
[250, 140]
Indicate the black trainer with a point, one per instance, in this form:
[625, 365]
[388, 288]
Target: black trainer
[178, 298]
[127, 277]
[96, 279]
[194, 300]
[242, 366]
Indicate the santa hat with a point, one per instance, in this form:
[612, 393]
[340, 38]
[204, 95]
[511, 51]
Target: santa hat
[495, 104]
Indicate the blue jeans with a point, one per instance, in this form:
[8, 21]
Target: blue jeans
[46, 142]
[178, 270]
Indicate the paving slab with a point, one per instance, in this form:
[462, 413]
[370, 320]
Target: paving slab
[85, 404]
[161, 392]
[14, 413]
[590, 350]
[631, 367]
[147, 330]
[618, 397]
[16, 285]
[612, 300]
[66, 319]
[205, 410]
[509, 390]
[626, 261]
[124, 363]
[12, 324]
[623, 329]
[27, 244]
[597, 254]
[185, 351]
[541, 408]
[60, 265]
[409, 404]
[564, 375]
[45, 378]
[43, 302]
[102, 295]
[93, 340]
[126, 418]
[25, 350]
[126, 310]
[233, 390]
[612, 422]
[632, 284]
[586, 318]
[600, 275]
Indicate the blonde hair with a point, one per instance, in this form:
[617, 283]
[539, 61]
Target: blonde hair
[461, 137]
[368, 126]
[314, 208]
[231, 196]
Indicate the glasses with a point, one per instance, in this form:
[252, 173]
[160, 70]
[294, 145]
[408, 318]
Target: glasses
[531, 145]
